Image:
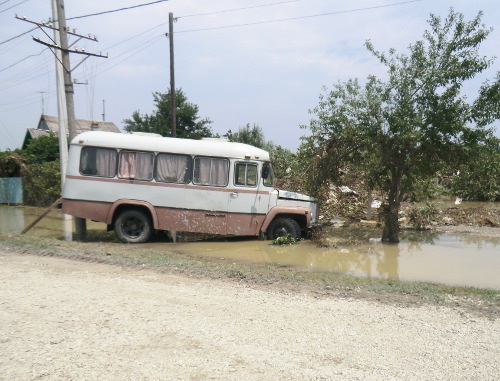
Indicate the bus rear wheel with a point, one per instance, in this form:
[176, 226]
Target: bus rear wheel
[133, 226]
[283, 226]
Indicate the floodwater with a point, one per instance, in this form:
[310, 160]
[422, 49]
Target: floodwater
[462, 260]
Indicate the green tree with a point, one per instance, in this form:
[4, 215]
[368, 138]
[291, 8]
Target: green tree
[42, 149]
[285, 163]
[403, 130]
[250, 135]
[11, 163]
[478, 179]
[188, 123]
[41, 183]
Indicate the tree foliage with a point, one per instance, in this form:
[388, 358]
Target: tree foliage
[42, 149]
[188, 123]
[286, 166]
[478, 179]
[38, 166]
[250, 135]
[11, 164]
[42, 183]
[401, 131]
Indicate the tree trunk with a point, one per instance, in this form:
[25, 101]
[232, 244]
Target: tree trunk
[391, 224]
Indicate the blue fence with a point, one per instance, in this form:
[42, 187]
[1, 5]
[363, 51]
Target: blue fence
[11, 190]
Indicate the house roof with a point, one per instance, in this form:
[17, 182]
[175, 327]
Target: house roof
[35, 133]
[48, 122]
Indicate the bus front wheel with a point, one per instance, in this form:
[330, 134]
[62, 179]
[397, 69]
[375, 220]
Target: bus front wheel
[133, 226]
[283, 226]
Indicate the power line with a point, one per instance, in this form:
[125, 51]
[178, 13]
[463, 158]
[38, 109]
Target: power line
[239, 9]
[135, 36]
[117, 10]
[24, 59]
[79, 17]
[15, 5]
[19, 35]
[300, 17]
[129, 55]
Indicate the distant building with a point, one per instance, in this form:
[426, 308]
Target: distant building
[49, 124]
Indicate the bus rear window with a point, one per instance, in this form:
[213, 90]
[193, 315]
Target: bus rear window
[98, 162]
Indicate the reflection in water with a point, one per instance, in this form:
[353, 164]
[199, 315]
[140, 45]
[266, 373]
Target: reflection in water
[457, 260]
[388, 264]
[11, 220]
[371, 261]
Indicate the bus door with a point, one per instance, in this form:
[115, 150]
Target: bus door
[211, 174]
[248, 200]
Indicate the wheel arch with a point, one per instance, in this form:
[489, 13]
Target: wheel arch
[122, 205]
[299, 214]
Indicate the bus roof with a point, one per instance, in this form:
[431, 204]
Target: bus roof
[156, 143]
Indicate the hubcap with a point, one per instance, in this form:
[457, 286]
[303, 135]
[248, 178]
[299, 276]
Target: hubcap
[133, 227]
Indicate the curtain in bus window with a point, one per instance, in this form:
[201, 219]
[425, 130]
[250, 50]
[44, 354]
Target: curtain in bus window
[211, 171]
[136, 165]
[172, 168]
[105, 162]
[127, 165]
[144, 166]
[220, 171]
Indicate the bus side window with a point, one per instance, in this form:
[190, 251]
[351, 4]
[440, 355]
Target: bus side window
[136, 165]
[245, 174]
[211, 171]
[172, 168]
[98, 162]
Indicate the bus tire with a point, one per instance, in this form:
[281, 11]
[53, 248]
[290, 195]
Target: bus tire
[282, 226]
[133, 226]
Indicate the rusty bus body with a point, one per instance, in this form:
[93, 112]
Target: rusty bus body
[139, 183]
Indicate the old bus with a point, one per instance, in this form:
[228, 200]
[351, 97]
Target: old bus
[138, 183]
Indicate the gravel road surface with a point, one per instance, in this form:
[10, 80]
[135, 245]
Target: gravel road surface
[70, 320]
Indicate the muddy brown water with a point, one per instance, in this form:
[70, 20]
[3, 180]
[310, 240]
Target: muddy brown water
[461, 260]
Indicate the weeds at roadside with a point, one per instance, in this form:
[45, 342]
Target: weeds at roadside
[285, 240]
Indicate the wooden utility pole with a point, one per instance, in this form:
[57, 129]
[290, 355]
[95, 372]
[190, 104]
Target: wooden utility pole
[68, 83]
[173, 106]
[62, 51]
[61, 99]
[80, 223]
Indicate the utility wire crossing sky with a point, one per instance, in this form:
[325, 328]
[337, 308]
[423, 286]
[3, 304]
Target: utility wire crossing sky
[241, 61]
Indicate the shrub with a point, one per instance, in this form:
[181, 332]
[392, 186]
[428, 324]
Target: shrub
[42, 183]
[284, 240]
[420, 217]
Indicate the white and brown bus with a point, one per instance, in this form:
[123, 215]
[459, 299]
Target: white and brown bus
[138, 183]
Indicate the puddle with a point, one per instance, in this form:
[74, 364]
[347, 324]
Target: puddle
[14, 219]
[442, 258]
[448, 259]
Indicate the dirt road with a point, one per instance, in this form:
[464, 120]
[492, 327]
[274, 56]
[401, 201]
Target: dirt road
[69, 320]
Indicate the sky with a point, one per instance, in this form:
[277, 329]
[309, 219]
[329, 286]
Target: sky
[241, 62]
